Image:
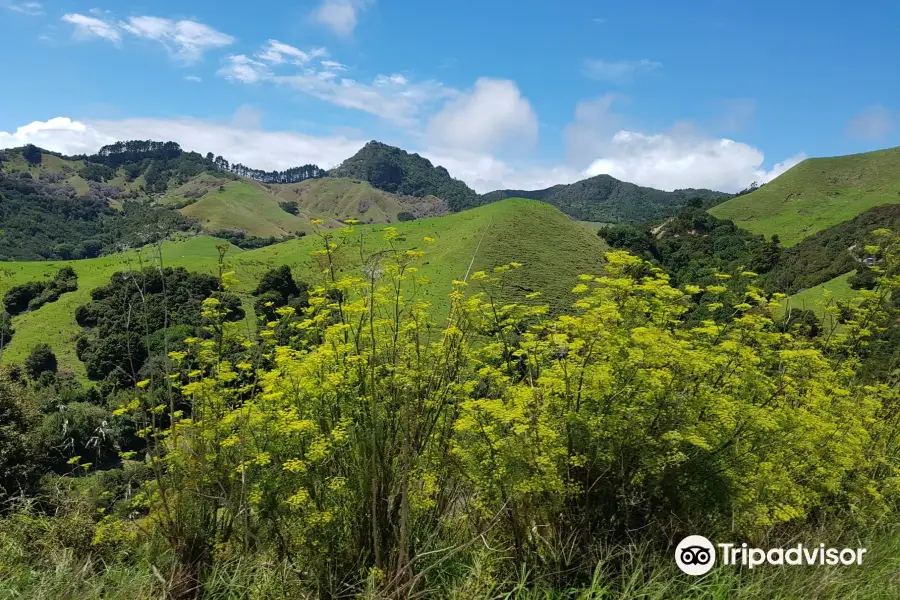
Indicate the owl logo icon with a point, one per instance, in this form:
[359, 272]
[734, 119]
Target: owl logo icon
[695, 555]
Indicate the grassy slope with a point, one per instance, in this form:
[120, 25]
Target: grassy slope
[342, 198]
[245, 205]
[817, 194]
[554, 250]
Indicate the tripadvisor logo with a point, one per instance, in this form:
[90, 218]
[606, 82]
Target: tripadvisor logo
[696, 555]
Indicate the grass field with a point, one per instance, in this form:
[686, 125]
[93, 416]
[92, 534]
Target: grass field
[817, 194]
[553, 248]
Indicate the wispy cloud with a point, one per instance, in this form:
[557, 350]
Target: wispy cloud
[240, 68]
[192, 78]
[393, 98]
[32, 9]
[186, 41]
[619, 71]
[87, 28]
[276, 53]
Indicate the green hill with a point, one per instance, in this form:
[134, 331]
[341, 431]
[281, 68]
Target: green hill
[243, 205]
[343, 198]
[553, 249]
[816, 194]
[399, 172]
[605, 199]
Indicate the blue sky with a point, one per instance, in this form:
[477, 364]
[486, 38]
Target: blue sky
[711, 93]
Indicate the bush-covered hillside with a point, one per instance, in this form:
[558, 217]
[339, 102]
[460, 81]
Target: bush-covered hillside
[397, 171]
[41, 220]
[605, 199]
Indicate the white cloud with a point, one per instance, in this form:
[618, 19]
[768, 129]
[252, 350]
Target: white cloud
[484, 172]
[332, 65]
[245, 144]
[241, 68]
[185, 40]
[873, 123]
[193, 78]
[683, 159]
[341, 16]
[276, 53]
[32, 9]
[619, 71]
[87, 28]
[487, 117]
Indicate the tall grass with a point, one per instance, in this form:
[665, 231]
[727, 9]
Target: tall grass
[631, 572]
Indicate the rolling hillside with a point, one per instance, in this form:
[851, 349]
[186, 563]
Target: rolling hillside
[816, 194]
[553, 249]
[243, 205]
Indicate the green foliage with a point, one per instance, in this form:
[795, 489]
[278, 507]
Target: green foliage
[76, 435]
[6, 329]
[394, 170]
[863, 279]
[41, 360]
[693, 247]
[32, 154]
[605, 199]
[405, 216]
[96, 172]
[17, 465]
[245, 241]
[278, 289]
[125, 315]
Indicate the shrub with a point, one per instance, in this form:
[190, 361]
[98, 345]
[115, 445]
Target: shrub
[863, 279]
[405, 216]
[289, 207]
[32, 154]
[41, 360]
